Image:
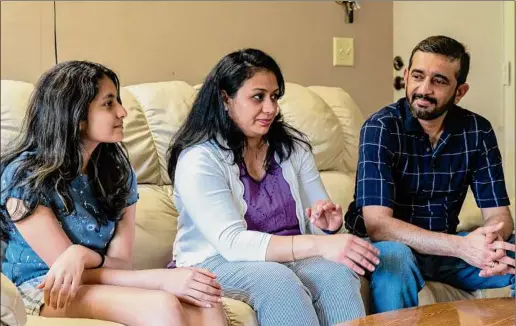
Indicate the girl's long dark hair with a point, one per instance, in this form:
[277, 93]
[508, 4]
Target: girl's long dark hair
[208, 120]
[58, 104]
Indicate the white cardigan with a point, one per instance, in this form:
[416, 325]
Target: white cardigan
[208, 195]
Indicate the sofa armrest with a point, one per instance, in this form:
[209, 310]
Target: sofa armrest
[13, 310]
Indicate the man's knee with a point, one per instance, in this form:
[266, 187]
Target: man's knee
[396, 259]
[394, 250]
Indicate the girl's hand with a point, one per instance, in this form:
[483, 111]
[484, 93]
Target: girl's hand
[64, 277]
[195, 286]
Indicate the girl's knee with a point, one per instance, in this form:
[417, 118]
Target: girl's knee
[216, 315]
[165, 309]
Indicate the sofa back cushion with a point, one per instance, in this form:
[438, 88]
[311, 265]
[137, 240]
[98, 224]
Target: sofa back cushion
[154, 117]
[15, 97]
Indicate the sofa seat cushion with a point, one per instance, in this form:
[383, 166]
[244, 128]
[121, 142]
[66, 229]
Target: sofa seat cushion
[239, 313]
[435, 292]
[439, 292]
[12, 308]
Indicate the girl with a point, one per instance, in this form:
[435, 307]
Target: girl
[68, 213]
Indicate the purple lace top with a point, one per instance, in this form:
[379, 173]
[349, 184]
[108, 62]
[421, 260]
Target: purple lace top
[270, 205]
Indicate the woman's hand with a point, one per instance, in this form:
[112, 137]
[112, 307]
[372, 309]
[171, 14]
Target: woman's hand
[325, 215]
[349, 250]
[195, 286]
[64, 277]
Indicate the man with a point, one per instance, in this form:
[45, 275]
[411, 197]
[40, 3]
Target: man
[417, 158]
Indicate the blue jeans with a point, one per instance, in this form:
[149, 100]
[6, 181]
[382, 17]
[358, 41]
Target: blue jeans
[402, 272]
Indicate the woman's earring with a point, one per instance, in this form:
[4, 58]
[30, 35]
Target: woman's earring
[226, 108]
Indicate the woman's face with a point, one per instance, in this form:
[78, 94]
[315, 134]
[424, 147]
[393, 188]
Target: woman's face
[255, 104]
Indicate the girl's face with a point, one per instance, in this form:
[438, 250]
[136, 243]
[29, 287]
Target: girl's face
[105, 116]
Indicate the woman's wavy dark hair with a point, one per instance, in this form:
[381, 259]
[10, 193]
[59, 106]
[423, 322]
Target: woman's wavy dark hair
[58, 104]
[208, 119]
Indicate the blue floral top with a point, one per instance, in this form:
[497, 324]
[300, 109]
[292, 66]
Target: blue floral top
[20, 262]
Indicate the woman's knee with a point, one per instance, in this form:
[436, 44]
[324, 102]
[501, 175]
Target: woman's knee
[345, 277]
[272, 277]
[336, 280]
[279, 277]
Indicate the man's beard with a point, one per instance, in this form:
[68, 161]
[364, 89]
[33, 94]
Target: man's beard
[425, 114]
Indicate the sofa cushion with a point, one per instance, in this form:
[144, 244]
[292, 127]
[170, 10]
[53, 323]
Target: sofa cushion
[14, 101]
[470, 215]
[156, 227]
[439, 292]
[165, 106]
[139, 141]
[339, 186]
[239, 313]
[350, 120]
[12, 311]
[309, 113]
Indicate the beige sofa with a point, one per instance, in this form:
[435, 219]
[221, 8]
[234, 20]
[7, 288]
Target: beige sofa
[329, 116]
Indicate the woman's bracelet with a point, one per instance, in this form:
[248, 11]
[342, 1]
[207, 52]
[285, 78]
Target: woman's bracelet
[292, 247]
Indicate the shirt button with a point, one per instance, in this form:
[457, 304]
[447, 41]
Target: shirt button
[428, 149]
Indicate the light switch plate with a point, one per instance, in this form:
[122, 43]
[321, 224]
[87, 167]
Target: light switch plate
[343, 52]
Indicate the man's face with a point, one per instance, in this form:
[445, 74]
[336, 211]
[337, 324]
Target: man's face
[431, 85]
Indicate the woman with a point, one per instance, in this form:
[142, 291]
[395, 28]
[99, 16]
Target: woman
[68, 213]
[250, 201]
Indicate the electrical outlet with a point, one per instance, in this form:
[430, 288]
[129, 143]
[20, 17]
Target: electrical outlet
[343, 52]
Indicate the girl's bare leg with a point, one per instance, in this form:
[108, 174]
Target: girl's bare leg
[205, 316]
[124, 305]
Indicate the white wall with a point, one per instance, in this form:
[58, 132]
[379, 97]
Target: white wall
[477, 24]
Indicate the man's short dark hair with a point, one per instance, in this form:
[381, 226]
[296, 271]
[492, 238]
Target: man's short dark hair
[448, 47]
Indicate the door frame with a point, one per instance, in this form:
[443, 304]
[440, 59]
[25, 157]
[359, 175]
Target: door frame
[509, 93]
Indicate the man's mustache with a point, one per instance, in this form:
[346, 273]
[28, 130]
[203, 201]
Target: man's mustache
[424, 97]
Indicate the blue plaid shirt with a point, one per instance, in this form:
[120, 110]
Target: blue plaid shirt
[425, 186]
